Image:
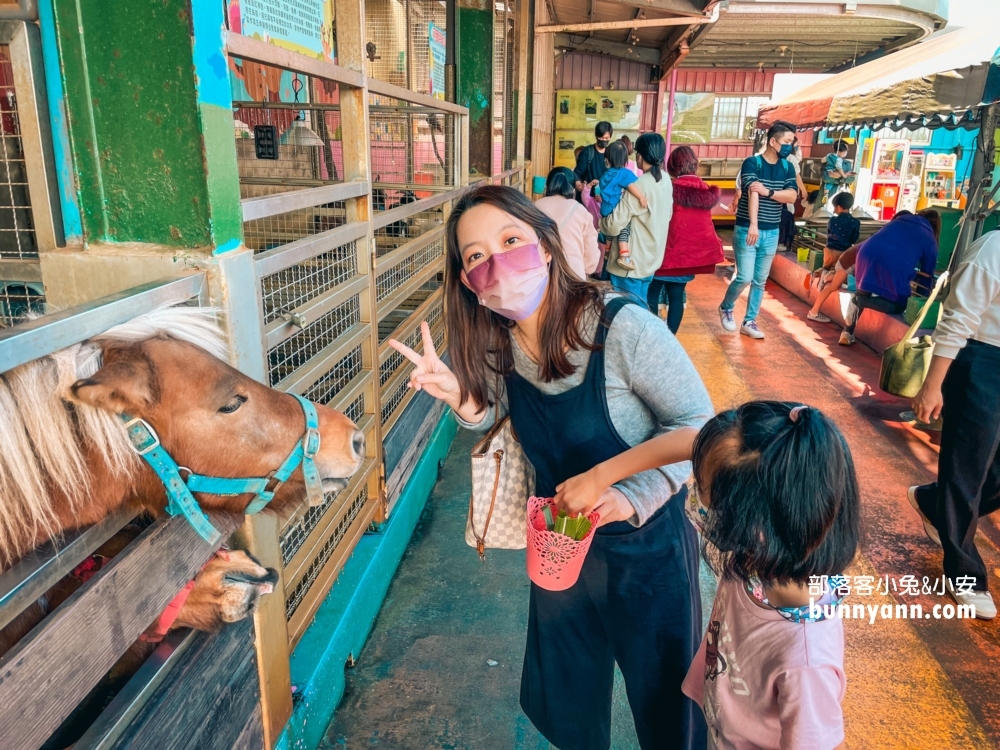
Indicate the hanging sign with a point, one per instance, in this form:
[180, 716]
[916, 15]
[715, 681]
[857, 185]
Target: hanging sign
[304, 26]
[436, 42]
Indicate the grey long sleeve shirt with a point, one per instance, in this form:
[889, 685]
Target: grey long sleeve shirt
[652, 388]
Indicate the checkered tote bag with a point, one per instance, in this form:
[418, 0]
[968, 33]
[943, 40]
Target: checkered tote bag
[502, 480]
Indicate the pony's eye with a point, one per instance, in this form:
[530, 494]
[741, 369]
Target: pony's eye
[233, 405]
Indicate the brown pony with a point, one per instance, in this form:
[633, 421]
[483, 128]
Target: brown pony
[66, 461]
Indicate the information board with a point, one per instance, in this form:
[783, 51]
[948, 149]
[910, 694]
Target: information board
[583, 109]
[692, 118]
[304, 26]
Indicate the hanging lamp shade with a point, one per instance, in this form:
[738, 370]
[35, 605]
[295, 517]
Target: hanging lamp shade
[300, 134]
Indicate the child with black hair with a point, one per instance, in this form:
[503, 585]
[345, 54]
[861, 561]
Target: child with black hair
[842, 233]
[615, 181]
[777, 502]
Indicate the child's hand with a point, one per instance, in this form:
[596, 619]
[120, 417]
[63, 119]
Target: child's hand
[580, 494]
[643, 202]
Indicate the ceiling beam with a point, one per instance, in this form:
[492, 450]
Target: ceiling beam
[637, 23]
[680, 7]
[645, 55]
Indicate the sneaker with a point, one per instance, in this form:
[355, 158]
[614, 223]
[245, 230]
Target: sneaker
[728, 321]
[819, 317]
[981, 600]
[750, 329]
[626, 262]
[929, 529]
[846, 339]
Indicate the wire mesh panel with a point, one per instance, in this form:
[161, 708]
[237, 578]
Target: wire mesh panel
[336, 378]
[295, 596]
[428, 31]
[297, 284]
[17, 234]
[398, 233]
[395, 360]
[274, 231]
[389, 281]
[391, 401]
[17, 300]
[299, 348]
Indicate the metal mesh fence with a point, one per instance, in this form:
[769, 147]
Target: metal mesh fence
[296, 595]
[299, 348]
[280, 229]
[412, 152]
[293, 286]
[395, 360]
[17, 233]
[395, 318]
[391, 401]
[398, 233]
[400, 45]
[336, 378]
[425, 78]
[389, 281]
[17, 299]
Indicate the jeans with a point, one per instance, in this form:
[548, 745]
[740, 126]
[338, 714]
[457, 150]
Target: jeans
[638, 288]
[868, 301]
[675, 300]
[753, 265]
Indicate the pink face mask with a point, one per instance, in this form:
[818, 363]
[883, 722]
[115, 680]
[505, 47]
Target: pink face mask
[511, 284]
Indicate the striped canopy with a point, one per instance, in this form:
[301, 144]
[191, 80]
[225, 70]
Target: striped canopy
[940, 83]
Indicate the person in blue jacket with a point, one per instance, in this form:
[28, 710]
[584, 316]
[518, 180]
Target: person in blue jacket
[888, 261]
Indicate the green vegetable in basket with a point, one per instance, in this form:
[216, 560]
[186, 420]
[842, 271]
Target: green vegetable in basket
[575, 528]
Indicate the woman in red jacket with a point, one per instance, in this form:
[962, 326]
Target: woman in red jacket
[693, 247]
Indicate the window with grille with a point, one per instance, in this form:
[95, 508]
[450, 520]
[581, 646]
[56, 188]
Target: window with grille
[17, 233]
[733, 117]
[918, 137]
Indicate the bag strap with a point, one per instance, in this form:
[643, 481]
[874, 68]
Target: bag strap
[942, 280]
[481, 539]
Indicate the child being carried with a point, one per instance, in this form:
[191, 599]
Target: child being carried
[616, 180]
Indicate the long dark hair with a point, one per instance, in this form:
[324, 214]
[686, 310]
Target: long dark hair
[561, 181]
[478, 338]
[653, 150]
[783, 493]
[934, 218]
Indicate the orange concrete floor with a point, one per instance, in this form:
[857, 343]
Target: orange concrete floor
[927, 683]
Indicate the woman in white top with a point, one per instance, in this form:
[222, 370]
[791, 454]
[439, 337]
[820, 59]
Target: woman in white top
[576, 225]
[962, 383]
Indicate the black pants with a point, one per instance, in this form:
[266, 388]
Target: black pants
[675, 300]
[637, 604]
[868, 301]
[786, 228]
[968, 485]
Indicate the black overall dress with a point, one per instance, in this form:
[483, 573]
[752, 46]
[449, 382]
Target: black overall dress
[637, 602]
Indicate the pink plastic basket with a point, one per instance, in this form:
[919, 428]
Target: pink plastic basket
[554, 560]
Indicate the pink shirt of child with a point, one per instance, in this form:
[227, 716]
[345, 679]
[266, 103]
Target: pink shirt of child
[765, 682]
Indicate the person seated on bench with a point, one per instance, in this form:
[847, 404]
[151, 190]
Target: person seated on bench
[887, 262]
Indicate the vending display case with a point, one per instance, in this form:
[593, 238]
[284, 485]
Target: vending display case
[940, 187]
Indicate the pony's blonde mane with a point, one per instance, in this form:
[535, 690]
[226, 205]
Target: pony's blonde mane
[43, 431]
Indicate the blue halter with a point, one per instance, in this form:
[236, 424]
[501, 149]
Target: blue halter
[146, 443]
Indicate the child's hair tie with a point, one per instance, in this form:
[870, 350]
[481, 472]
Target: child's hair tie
[795, 411]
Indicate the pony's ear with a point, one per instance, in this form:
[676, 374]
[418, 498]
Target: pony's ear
[122, 387]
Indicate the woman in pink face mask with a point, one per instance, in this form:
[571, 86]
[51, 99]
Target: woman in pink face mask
[585, 374]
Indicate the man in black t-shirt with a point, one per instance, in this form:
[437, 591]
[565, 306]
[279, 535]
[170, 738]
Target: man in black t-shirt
[770, 179]
[590, 166]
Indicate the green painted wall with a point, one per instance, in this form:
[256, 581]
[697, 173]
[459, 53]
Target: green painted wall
[134, 120]
[474, 80]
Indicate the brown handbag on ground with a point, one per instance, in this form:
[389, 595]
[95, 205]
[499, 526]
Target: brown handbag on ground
[502, 480]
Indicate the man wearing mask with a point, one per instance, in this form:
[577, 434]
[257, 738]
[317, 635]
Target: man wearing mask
[590, 166]
[770, 179]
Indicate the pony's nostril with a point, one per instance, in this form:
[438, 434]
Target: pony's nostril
[359, 443]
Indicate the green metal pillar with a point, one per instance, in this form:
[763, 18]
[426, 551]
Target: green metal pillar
[150, 122]
[474, 78]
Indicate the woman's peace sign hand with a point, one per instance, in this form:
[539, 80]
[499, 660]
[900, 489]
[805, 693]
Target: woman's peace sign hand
[430, 374]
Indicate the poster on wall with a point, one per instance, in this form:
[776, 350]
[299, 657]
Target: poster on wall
[567, 141]
[583, 109]
[303, 26]
[436, 41]
[692, 118]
